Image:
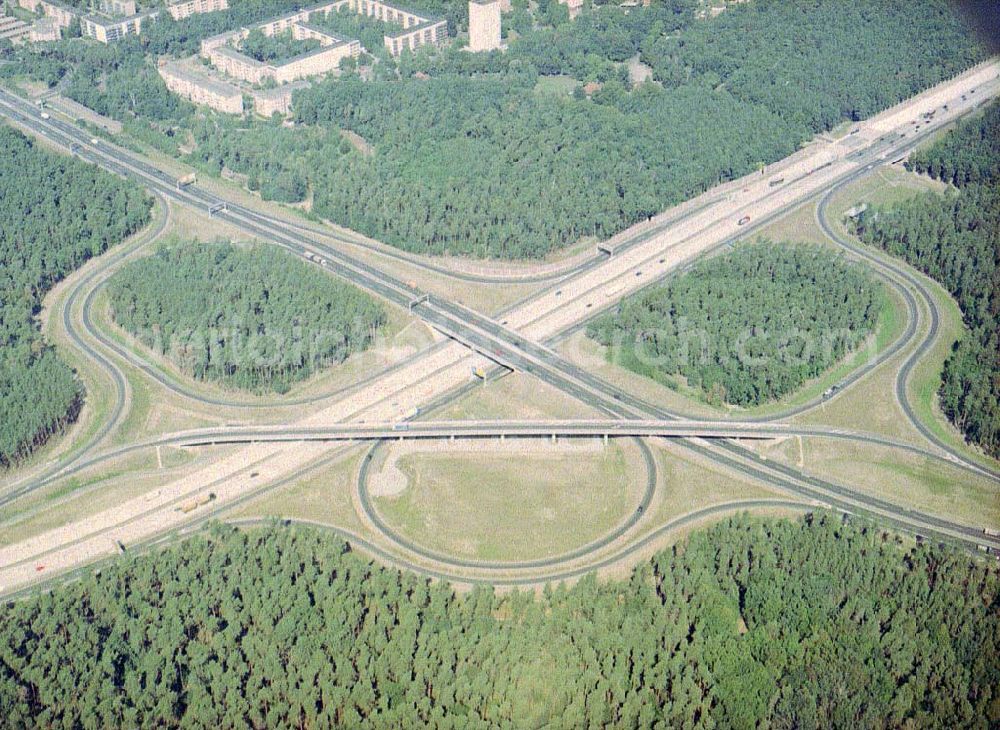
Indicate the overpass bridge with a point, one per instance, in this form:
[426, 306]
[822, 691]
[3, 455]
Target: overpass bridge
[548, 429]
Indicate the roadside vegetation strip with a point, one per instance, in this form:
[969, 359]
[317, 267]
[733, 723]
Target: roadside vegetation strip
[904, 279]
[106, 416]
[955, 238]
[747, 327]
[55, 214]
[255, 318]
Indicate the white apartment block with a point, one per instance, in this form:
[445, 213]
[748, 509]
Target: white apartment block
[180, 9]
[484, 25]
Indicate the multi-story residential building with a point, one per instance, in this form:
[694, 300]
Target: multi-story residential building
[484, 25]
[574, 6]
[200, 89]
[12, 29]
[220, 52]
[115, 18]
[109, 30]
[123, 8]
[63, 15]
[180, 9]
[431, 32]
[279, 99]
[44, 30]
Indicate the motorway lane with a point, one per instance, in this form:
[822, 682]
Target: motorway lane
[885, 271]
[356, 271]
[392, 285]
[457, 314]
[365, 272]
[356, 432]
[377, 281]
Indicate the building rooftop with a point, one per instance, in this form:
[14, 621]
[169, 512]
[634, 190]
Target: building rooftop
[324, 32]
[413, 28]
[278, 92]
[108, 22]
[231, 52]
[183, 71]
[412, 11]
[307, 54]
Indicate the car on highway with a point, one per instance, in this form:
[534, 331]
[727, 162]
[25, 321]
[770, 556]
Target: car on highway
[94, 140]
[45, 115]
[743, 221]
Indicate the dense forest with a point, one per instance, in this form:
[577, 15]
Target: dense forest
[817, 62]
[255, 318]
[511, 173]
[752, 623]
[55, 213]
[955, 239]
[747, 327]
[474, 154]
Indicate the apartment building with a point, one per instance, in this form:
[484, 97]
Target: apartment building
[222, 55]
[115, 19]
[484, 25]
[63, 15]
[44, 30]
[12, 29]
[180, 9]
[200, 89]
[109, 30]
[432, 32]
[279, 99]
[123, 8]
[574, 6]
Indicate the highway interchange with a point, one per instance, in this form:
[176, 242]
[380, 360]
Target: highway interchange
[522, 341]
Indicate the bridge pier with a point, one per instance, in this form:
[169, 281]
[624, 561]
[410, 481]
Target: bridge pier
[553, 438]
[605, 441]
